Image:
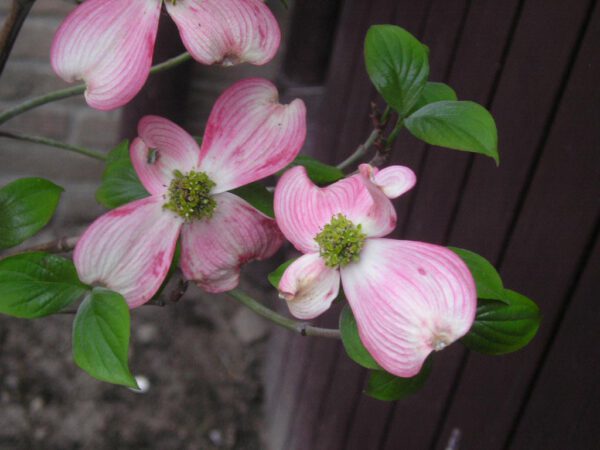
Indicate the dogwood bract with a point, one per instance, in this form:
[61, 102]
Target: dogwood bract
[408, 298]
[109, 43]
[249, 136]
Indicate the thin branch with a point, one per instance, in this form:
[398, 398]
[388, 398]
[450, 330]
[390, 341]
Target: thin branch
[178, 290]
[78, 90]
[384, 151]
[8, 35]
[302, 328]
[361, 151]
[379, 123]
[52, 143]
[175, 289]
[62, 245]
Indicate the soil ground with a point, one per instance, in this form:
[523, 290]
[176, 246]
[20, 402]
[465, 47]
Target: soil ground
[201, 356]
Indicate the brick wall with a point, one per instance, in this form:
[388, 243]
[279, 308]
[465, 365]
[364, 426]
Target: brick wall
[28, 73]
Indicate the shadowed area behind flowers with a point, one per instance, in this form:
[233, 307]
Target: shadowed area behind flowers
[202, 358]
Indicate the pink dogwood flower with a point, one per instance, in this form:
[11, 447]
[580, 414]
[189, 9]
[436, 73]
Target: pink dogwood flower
[408, 298]
[109, 43]
[249, 136]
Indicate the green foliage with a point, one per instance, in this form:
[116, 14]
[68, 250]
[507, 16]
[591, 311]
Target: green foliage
[101, 337]
[120, 184]
[385, 386]
[352, 343]
[398, 65]
[503, 326]
[487, 279]
[460, 125]
[37, 284]
[506, 320]
[275, 276]
[26, 206]
[258, 196]
[434, 92]
[320, 173]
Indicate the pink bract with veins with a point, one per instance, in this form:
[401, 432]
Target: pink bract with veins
[408, 298]
[109, 43]
[249, 136]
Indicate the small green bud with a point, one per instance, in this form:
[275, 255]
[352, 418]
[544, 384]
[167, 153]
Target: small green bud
[340, 242]
[189, 196]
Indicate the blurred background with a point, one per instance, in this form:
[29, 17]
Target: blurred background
[220, 377]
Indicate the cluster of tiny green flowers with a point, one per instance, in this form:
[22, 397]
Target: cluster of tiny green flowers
[189, 196]
[340, 242]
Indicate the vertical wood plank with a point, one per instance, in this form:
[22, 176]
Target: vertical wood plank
[565, 405]
[312, 32]
[554, 226]
[348, 43]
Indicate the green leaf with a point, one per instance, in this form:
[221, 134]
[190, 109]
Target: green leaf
[398, 65]
[385, 386]
[352, 343]
[26, 206]
[101, 337]
[487, 279]
[318, 172]
[37, 284]
[503, 327]
[120, 184]
[459, 125]
[275, 276]
[258, 196]
[434, 92]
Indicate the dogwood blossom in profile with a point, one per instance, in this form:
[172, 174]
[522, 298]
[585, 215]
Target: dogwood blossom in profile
[408, 298]
[109, 43]
[249, 136]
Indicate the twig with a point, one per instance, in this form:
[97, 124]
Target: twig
[8, 35]
[361, 150]
[62, 245]
[52, 143]
[175, 289]
[379, 123]
[78, 90]
[178, 291]
[302, 328]
[384, 151]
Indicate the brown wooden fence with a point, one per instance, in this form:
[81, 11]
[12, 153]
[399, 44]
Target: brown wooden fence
[536, 65]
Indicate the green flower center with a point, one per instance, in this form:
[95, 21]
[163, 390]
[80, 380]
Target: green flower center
[189, 196]
[340, 242]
